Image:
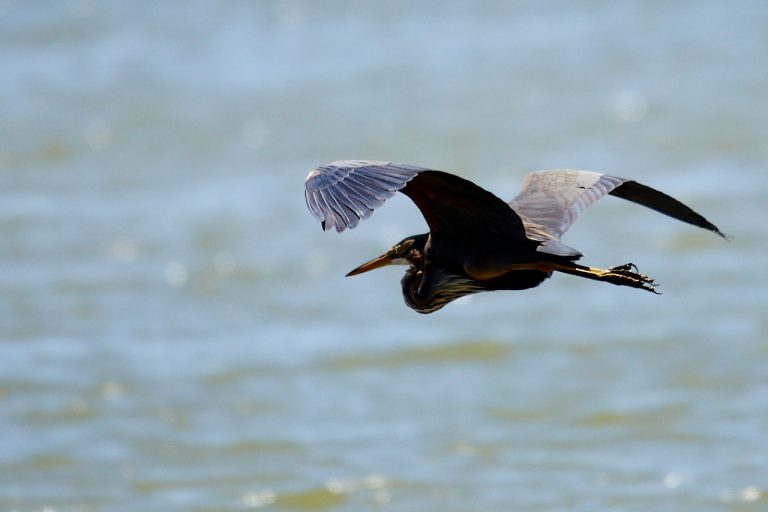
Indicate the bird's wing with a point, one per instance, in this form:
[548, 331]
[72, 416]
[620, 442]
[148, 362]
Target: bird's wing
[340, 194]
[555, 199]
[662, 203]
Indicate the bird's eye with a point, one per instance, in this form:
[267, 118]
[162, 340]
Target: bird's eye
[404, 247]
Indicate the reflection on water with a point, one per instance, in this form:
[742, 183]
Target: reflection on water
[176, 332]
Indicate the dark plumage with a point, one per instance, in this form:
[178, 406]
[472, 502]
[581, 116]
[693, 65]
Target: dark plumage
[476, 241]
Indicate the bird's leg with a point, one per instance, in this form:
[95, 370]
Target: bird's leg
[622, 275]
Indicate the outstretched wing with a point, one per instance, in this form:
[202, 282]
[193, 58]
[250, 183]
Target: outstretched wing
[340, 194]
[555, 199]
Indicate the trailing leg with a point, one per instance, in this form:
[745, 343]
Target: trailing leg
[623, 275]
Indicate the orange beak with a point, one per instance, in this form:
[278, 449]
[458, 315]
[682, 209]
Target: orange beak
[381, 261]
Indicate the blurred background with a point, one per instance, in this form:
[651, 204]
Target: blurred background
[176, 332]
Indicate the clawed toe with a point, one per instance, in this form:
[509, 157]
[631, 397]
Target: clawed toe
[628, 275]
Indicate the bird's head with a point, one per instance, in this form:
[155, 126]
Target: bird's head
[408, 251]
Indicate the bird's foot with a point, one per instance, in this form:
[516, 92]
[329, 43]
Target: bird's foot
[628, 275]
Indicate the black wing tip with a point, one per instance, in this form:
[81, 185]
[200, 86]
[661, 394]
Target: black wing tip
[711, 227]
[649, 197]
[727, 237]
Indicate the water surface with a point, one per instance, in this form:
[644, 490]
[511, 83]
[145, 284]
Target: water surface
[176, 332]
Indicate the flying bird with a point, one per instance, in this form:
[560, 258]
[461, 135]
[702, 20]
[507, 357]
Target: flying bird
[476, 241]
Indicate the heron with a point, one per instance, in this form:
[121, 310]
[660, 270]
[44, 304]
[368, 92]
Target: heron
[476, 241]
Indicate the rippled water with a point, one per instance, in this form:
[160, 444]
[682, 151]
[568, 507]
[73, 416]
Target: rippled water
[176, 332]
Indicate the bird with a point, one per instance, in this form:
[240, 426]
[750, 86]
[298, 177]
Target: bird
[477, 242]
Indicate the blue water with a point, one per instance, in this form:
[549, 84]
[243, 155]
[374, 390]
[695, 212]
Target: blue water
[176, 332]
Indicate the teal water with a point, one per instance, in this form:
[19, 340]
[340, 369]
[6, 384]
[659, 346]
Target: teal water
[176, 332]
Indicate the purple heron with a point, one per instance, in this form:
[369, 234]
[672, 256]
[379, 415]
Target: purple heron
[476, 241]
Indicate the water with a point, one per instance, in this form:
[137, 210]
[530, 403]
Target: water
[176, 332]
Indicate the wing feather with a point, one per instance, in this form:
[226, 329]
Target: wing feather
[554, 200]
[356, 201]
[340, 194]
[339, 208]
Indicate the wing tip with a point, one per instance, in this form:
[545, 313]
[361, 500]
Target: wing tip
[726, 236]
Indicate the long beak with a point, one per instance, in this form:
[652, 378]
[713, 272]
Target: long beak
[381, 261]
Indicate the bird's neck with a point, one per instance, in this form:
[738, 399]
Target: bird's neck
[417, 297]
[439, 289]
[411, 282]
